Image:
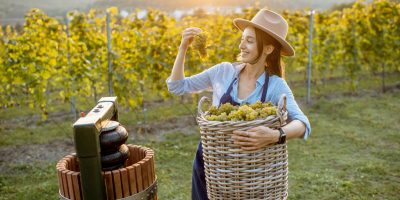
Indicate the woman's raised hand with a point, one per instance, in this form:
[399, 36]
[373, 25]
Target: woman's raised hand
[188, 36]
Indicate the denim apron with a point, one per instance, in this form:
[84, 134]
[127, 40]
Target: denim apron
[199, 188]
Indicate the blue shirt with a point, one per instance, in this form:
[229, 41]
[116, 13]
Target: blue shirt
[218, 78]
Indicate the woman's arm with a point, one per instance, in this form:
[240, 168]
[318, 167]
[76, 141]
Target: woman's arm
[187, 38]
[178, 69]
[262, 136]
[294, 129]
[298, 126]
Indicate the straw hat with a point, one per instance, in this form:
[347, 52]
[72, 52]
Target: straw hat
[273, 24]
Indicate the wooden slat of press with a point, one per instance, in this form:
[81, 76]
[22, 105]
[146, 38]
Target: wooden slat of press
[151, 173]
[142, 153]
[130, 158]
[125, 182]
[77, 185]
[72, 167]
[65, 183]
[136, 154]
[60, 183]
[144, 164]
[149, 157]
[77, 164]
[132, 180]
[62, 163]
[117, 184]
[132, 150]
[70, 186]
[61, 167]
[128, 161]
[68, 163]
[109, 185]
[138, 175]
[153, 168]
[68, 159]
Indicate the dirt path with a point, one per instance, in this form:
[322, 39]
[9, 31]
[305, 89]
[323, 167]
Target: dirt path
[56, 149]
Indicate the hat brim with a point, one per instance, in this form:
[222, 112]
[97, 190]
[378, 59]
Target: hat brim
[287, 49]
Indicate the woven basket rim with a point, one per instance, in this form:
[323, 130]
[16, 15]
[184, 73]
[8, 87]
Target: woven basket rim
[281, 115]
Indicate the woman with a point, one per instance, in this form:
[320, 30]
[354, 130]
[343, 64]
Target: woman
[259, 76]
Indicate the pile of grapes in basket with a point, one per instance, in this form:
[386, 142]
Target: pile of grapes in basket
[246, 112]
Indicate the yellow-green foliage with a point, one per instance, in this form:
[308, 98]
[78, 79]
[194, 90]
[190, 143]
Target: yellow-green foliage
[42, 60]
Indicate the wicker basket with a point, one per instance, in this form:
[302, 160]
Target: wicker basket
[232, 173]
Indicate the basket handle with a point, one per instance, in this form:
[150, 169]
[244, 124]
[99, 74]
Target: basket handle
[282, 108]
[199, 105]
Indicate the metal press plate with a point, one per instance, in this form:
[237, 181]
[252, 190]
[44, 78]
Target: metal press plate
[110, 125]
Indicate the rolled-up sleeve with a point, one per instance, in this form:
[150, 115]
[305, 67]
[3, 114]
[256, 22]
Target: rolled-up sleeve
[294, 112]
[195, 83]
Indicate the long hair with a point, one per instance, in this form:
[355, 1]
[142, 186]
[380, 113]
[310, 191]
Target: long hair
[274, 63]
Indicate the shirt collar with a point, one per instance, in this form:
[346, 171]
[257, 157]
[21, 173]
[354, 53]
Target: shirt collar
[260, 80]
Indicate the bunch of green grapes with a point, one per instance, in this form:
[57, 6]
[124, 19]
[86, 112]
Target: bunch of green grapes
[213, 110]
[224, 108]
[221, 113]
[258, 105]
[267, 111]
[221, 117]
[227, 108]
[244, 112]
[247, 112]
[200, 43]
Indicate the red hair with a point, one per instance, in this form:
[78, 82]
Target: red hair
[274, 63]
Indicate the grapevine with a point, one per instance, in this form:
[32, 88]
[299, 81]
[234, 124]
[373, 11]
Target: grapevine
[35, 68]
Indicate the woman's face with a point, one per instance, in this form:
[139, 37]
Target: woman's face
[248, 45]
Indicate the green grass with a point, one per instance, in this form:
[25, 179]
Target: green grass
[24, 130]
[31, 181]
[158, 113]
[174, 159]
[36, 134]
[353, 153]
[319, 89]
[26, 112]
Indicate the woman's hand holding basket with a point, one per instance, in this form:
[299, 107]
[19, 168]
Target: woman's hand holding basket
[255, 138]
